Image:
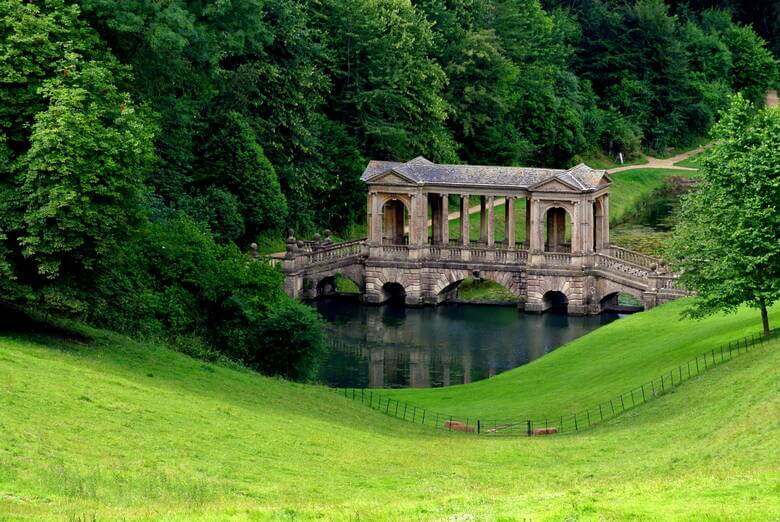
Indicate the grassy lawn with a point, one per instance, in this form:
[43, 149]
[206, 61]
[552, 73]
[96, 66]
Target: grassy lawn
[114, 429]
[591, 369]
[630, 187]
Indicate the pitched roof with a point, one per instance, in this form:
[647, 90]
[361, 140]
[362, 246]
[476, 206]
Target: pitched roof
[424, 172]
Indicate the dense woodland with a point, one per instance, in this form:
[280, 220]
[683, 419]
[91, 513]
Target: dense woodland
[145, 144]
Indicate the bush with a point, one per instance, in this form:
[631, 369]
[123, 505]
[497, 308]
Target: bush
[290, 342]
[174, 281]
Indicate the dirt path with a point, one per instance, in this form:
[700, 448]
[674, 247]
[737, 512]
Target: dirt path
[771, 99]
[657, 163]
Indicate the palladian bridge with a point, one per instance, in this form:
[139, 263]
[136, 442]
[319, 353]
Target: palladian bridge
[563, 259]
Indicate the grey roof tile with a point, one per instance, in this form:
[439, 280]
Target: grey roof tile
[425, 172]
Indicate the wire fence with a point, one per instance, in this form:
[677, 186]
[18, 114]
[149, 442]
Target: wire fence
[573, 422]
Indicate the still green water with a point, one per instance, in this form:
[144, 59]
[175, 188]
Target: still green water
[395, 346]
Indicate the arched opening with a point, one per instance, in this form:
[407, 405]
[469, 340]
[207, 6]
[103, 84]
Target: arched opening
[621, 302]
[599, 224]
[337, 285]
[557, 230]
[326, 286]
[393, 292]
[555, 302]
[395, 223]
[477, 289]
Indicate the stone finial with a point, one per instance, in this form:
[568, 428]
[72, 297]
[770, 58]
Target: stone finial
[290, 235]
[653, 267]
[299, 245]
[253, 250]
[328, 237]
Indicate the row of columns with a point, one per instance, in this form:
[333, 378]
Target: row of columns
[590, 226]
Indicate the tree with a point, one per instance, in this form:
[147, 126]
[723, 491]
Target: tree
[387, 88]
[726, 243]
[82, 179]
[234, 161]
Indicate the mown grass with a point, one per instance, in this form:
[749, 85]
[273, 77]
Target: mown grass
[632, 186]
[591, 369]
[115, 429]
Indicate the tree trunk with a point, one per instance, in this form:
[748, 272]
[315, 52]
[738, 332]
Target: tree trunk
[764, 316]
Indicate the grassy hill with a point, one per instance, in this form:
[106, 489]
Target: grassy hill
[114, 429]
[591, 369]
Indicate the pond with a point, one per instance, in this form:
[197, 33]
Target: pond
[395, 346]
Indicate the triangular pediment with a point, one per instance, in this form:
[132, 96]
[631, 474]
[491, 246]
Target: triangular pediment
[392, 177]
[554, 185]
[605, 180]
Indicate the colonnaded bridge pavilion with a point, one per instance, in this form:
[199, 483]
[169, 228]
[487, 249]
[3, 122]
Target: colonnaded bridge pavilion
[559, 255]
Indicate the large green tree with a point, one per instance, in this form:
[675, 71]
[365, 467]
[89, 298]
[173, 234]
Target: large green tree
[727, 242]
[74, 153]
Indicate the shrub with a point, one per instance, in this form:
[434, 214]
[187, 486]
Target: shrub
[290, 342]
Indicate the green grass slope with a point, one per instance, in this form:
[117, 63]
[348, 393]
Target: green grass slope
[632, 186]
[119, 430]
[592, 369]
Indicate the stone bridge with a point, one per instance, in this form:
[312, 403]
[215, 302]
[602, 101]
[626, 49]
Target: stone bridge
[562, 258]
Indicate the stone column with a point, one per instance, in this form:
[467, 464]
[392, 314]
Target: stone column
[560, 228]
[491, 226]
[445, 219]
[482, 220]
[435, 202]
[579, 227]
[528, 230]
[370, 216]
[422, 220]
[412, 218]
[399, 223]
[464, 220]
[535, 226]
[509, 221]
[605, 233]
[376, 219]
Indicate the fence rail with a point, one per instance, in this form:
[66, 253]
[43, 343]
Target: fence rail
[573, 422]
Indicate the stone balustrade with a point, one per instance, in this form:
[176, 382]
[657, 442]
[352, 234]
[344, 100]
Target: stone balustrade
[635, 258]
[622, 266]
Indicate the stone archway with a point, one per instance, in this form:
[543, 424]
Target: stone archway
[555, 301]
[558, 223]
[395, 221]
[393, 292]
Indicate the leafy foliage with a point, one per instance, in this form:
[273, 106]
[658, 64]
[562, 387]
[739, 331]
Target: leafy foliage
[289, 343]
[726, 243]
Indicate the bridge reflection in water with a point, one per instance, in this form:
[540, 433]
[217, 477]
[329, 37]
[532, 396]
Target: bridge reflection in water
[394, 346]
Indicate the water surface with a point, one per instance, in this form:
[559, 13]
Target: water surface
[394, 346]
